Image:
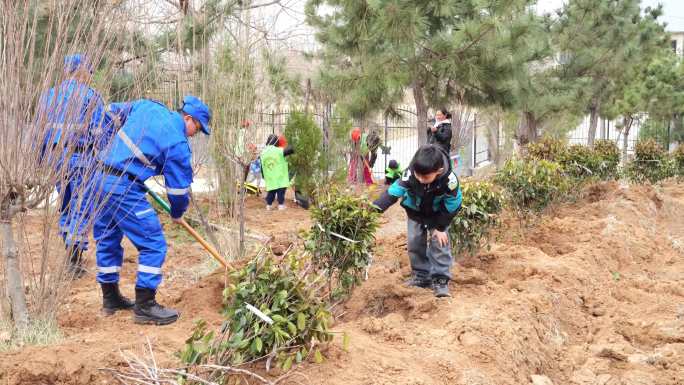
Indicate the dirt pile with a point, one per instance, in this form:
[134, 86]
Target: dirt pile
[591, 295]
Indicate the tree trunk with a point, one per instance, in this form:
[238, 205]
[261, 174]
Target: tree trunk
[527, 131]
[307, 96]
[678, 127]
[15, 287]
[226, 189]
[625, 136]
[493, 140]
[421, 112]
[593, 122]
[241, 247]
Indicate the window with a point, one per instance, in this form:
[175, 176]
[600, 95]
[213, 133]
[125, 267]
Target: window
[674, 45]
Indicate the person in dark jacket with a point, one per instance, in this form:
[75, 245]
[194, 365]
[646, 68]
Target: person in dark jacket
[440, 132]
[431, 195]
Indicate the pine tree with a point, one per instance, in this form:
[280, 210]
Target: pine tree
[601, 40]
[653, 85]
[543, 97]
[444, 51]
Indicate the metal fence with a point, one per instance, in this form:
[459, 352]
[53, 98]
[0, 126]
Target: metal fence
[398, 133]
[607, 130]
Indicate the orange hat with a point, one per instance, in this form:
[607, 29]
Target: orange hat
[356, 134]
[282, 141]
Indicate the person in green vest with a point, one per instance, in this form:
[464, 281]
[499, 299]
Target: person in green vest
[274, 170]
[392, 172]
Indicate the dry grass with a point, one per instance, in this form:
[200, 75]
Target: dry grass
[40, 332]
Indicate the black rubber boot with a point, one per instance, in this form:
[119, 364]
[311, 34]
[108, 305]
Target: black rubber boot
[76, 266]
[441, 287]
[112, 300]
[416, 281]
[148, 311]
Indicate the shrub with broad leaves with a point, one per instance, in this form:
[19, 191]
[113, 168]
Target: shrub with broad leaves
[341, 239]
[678, 161]
[608, 155]
[272, 311]
[651, 163]
[470, 229]
[580, 162]
[546, 149]
[530, 186]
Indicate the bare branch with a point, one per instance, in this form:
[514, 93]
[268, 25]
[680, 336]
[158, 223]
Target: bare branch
[260, 5]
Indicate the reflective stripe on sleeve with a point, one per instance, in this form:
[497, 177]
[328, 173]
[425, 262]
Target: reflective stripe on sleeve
[177, 191]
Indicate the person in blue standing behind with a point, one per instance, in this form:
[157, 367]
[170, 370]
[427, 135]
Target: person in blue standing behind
[75, 128]
[152, 141]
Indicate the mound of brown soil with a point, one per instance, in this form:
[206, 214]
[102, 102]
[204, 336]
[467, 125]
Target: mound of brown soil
[593, 294]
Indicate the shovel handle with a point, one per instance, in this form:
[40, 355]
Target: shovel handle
[208, 247]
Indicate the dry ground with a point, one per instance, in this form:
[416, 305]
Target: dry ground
[591, 295]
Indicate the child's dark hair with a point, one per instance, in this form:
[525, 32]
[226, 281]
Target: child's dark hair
[429, 158]
[446, 113]
[393, 164]
[272, 140]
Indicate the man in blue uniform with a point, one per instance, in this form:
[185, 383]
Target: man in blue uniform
[152, 141]
[75, 126]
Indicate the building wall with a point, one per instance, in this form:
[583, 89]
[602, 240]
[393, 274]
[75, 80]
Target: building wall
[678, 42]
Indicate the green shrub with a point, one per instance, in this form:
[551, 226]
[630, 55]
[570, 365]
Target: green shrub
[580, 162]
[651, 163]
[470, 229]
[334, 161]
[342, 238]
[678, 161]
[305, 137]
[531, 186]
[283, 292]
[608, 154]
[546, 149]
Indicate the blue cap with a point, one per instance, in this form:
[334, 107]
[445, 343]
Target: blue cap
[198, 110]
[74, 62]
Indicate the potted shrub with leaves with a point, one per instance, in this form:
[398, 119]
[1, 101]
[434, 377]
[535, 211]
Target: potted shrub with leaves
[341, 239]
[471, 228]
[272, 311]
[650, 164]
[531, 186]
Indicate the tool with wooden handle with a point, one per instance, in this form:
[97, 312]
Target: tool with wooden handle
[208, 247]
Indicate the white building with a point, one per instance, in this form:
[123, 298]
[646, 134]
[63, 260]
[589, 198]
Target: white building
[677, 42]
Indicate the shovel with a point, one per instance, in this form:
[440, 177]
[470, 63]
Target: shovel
[208, 247]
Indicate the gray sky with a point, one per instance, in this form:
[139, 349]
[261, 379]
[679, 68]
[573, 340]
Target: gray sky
[673, 10]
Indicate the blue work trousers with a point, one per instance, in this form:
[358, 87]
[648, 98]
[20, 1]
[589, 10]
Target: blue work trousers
[129, 213]
[76, 209]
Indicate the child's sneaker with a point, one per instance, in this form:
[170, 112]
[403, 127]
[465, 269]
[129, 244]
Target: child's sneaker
[269, 208]
[420, 282]
[441, 287]
[281, 207]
